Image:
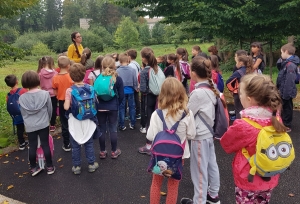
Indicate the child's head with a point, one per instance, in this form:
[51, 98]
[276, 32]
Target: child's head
[109, 67]
[245, 61]
[196, 50]
[86, 54]
[256, 48]
[213, 50]
[287, 50]
[259, 90]
[115, 56]
[77, 72]
[11, 80]
[132, 54]
[172, 97]
[182, 54]
[172, 58]
[98, 62]
[63, 62]
[214, 62]
[123, 59]
[239, 53]
[148, 58]
[45, 62]
[30, 79]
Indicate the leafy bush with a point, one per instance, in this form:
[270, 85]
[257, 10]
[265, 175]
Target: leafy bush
[107, 39]
[27, 41]
[41, 49]
[62, 40]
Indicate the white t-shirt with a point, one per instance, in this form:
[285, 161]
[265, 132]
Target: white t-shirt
[92, 76]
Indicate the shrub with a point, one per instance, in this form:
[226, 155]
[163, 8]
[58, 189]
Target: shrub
[40, 49]
[26, 41]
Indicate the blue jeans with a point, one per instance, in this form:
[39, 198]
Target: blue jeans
[131, 105]
[76, 152]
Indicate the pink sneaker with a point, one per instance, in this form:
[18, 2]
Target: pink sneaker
[115, 154]
[102, 154]
[52, 128]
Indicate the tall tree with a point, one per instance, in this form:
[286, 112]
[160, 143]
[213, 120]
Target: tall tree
[71, 13]
[53, 14]
[126, 35]
[9, 8]
[158, 33]
[145, 35]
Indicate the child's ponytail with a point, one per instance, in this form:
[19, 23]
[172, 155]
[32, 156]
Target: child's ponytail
[148, 54]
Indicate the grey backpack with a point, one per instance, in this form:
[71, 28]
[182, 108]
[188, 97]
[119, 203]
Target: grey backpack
[221, 121]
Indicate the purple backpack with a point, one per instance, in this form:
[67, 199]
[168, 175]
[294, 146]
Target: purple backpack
[167, 151]
[185, 69]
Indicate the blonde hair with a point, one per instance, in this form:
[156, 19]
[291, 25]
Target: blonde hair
[109, 67]
[172, 97]
[264, 92]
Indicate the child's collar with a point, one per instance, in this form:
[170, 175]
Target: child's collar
[257, 113]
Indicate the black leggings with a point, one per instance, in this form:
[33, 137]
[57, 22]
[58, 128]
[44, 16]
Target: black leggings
[54, 107]
[33, 142]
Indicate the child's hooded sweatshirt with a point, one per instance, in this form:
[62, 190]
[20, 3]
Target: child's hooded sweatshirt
[46, 80]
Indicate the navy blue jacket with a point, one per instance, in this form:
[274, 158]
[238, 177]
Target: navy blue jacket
[113, 104]
[237, 75]
[286, 77]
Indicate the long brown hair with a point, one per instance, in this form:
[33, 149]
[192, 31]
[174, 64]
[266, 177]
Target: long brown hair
[172, 97]
[174, 58]
[45, 61]
[202, 68]
[214, 63]
[73, 35]
[264, 91]
[148, 54]
[247, 62]
[86, 54]
[184, 54]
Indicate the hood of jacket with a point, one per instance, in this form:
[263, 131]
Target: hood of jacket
[46, 74]
[34, 102]
[282, 63]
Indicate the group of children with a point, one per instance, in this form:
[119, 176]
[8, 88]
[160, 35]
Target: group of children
[131, 85]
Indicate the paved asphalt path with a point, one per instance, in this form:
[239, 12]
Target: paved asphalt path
[124, 180]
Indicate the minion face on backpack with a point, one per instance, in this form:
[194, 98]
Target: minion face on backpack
[274, 152]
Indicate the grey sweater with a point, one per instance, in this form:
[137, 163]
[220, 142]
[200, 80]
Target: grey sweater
[203, 101]
[128, 76]
[36, 109]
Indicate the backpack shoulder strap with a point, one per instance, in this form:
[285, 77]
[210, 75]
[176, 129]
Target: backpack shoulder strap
[161, 116]
[175, 126]
[240, 72]
[206, 124]
[94, 74]
[254, 124]
[18, 91]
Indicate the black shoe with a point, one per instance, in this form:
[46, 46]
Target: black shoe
[66, 148]
[122, 128]
[22, 146]
[186, 201]
[210, 200]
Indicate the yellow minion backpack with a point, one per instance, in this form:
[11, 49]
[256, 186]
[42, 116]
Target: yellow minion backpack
[274, 152]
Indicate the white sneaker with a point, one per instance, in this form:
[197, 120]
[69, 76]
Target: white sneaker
[143, 130]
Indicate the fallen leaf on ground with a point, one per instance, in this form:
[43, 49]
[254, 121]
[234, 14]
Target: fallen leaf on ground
[143, 196]
[5, 202]
[23, 160]
[58, 138]
[61, 166]
[20, 176]
[0, 184]
[25, 173]
[5, 162]
[163, 193]
[291, 194]
[12, 162]
[16, 158]
[6, 155]
[10, 187]
[59, 159]
[16, 173]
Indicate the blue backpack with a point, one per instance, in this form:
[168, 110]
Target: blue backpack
[167, 151]
[13, 107]
[104, 86]
[84, 102]
[220, 84]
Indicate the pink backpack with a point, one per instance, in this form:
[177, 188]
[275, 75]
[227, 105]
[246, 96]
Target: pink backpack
[40, 157]
[87, 73]
[185, 69]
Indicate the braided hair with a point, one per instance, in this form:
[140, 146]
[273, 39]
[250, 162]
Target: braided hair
[202, 68]
[73, 35]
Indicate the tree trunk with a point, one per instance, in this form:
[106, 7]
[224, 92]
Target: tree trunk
[271, 58]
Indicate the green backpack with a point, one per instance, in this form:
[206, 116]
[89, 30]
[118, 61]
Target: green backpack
[104, 87]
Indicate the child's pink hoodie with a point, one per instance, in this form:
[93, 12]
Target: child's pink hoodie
[46, 80]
